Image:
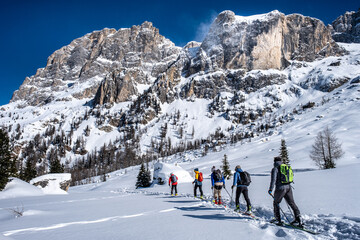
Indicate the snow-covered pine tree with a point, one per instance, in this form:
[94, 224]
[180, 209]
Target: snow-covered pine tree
[55, 165]
[226, 168]
[7, 163]
[143, 178]
[284, 152]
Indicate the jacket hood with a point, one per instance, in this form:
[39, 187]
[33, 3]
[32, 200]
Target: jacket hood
[277, 163]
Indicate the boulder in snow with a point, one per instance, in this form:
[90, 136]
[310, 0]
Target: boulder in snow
[55, 183]
[162, 173]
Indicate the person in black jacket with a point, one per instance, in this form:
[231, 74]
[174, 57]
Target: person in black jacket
[282, 191]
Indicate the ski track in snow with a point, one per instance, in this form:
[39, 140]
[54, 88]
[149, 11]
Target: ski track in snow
[62, 225]
[328, 226]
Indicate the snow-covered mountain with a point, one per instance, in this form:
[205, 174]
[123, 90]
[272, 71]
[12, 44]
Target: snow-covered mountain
[133, 94]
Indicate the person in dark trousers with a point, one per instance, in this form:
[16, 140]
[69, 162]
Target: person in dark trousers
[198, 184]
[173, 181]
[217, 183]
[240, 189]
[282, 191]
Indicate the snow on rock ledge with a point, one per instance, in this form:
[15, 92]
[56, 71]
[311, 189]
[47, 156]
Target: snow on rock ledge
[162, 173]
[56, 183]
[18, 188]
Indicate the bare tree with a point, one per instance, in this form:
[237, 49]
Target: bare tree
[326, 149]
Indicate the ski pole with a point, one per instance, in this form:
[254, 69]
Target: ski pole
[289, 209]
[281, 209]
[228, 192]
[232, 193]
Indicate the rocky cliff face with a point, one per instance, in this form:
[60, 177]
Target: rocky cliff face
[113, 66]
[140, 53]
[263, 42]
[346, 28]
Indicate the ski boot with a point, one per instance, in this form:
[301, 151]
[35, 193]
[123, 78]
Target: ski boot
[277, 222]
[248, 211]
[237, 209]
[219, 202]
[297, 222]
[216, 201]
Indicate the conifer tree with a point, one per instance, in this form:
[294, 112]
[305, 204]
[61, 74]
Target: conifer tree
[284, 153]
[226, 168]
[56, 166]
[7, 163]
[143, 178]
[30, 170]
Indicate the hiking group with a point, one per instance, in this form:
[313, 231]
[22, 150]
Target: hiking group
[281, 178]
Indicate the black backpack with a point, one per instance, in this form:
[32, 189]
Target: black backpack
[245, 179]
[218, 175]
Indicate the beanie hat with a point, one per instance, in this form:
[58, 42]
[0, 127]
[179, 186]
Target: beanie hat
[196, 170]
[276, 159]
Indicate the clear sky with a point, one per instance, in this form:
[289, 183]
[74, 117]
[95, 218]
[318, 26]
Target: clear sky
[32, 30]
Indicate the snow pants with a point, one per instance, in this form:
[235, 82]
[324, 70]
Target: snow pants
[244, 190]
[284, 191]
[173, 187]
[200, 188]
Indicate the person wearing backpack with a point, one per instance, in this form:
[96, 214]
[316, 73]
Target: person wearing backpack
[217, 182]
[281, 178]
[173, 180]
[198, 182]
[241, 181]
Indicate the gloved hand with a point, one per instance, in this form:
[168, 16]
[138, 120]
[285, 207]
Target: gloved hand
[232, 187]
[212, 187]
[270, 192]
[169, 185]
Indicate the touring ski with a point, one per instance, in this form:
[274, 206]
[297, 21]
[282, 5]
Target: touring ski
[287, 225]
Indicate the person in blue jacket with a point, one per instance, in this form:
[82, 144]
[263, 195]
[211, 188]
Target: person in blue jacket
[240, 189]
[217, 183]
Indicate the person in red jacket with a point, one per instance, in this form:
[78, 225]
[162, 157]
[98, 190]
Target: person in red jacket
[173, 180]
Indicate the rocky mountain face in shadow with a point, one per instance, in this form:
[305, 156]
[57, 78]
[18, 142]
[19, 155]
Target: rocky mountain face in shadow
[346, 28]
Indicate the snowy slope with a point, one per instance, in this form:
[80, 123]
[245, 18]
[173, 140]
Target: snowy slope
[328, 199]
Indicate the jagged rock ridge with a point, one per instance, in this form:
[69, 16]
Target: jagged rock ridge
[346, 28]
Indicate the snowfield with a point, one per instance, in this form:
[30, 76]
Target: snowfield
[328, 199]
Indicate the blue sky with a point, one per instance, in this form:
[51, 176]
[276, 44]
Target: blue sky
[32, 30]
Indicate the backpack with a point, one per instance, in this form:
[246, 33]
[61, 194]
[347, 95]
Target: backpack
[218, 175]
[286, 174]
[200, 177]
[245, 178]
[173, 178]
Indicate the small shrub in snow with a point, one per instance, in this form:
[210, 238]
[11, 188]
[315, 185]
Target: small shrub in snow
[17, 211]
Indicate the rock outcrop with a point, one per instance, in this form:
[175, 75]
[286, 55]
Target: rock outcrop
[263, 42]
[346, 28]
[90, 59]
[114, 66]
